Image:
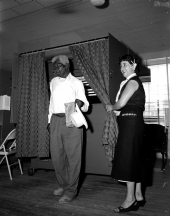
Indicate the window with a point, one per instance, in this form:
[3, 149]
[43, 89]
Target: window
[157, 92]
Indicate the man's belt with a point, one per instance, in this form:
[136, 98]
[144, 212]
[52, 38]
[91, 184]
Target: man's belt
[59, 114]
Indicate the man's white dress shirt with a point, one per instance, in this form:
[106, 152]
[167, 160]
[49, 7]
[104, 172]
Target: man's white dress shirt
[66, 90]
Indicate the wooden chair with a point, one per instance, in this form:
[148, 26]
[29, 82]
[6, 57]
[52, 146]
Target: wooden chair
[156, 140]
[8, 147]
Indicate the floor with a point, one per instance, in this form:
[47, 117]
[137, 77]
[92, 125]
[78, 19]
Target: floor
[98, 196]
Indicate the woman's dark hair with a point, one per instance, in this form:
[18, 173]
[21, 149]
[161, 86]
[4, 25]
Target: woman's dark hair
[130, 58]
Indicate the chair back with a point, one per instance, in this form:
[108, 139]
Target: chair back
[10, 136]
[155, 138]
[9, 148]
[156, 135]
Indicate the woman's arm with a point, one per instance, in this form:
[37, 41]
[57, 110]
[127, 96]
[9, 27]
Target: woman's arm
[129, 90]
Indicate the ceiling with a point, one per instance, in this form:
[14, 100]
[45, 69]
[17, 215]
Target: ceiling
[29, 25]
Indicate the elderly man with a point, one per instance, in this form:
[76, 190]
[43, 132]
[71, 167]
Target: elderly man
[65, 141]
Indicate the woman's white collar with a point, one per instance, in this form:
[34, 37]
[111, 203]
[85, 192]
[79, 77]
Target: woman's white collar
[132, 75]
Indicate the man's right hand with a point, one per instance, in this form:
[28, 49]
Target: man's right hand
[79, 103]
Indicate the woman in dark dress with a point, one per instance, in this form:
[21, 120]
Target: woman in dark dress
[127, 162]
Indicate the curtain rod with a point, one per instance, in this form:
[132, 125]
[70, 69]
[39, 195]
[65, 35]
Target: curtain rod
[62, 46]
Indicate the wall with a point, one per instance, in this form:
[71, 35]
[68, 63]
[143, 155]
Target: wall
[5, 89]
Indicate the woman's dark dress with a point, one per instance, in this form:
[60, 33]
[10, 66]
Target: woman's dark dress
[127, 162]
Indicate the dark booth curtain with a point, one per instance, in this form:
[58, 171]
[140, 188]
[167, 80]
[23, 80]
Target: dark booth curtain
[32, 107]
[92, 59]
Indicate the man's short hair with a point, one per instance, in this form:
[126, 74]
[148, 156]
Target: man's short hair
[62, 58]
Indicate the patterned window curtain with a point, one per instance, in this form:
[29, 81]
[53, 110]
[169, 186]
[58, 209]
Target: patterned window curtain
[32, 107]
[92, 59]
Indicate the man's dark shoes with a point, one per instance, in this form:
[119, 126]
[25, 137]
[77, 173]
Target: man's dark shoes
[65, 199]
[133, 207]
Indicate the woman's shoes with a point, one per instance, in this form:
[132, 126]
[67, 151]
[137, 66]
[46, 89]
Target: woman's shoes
[141, 203]
[133, 207]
